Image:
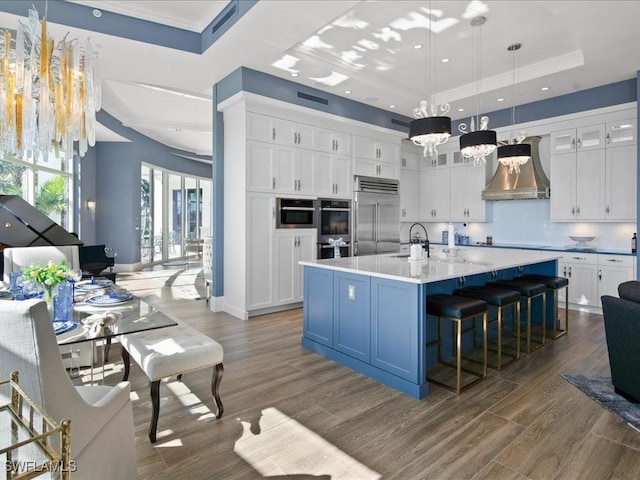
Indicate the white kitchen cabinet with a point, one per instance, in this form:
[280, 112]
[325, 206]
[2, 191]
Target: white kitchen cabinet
[280, 169]
[335, 142]
[260, 234]
[409, 187]
[434, 194]
[333, 176]
[621, 183]
[291, 247]
[294, 170]
[577, 186]
[260, 166]
[261, 127]
[466, 184]
[622, 132]
[582, 271]
[612, 271]
[578, 139]
[377, 150]
[296, 134]
[371, 168]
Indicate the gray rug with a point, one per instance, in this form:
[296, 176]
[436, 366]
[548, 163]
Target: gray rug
[600, 389]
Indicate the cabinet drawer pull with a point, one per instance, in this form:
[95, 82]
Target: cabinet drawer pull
[613, 260]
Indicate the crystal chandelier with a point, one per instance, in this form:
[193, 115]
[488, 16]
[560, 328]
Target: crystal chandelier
[49, 92]
[475, 145]
[515, 153]
[431, 128]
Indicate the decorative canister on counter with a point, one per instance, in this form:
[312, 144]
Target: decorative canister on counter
[445, 237]
[464, 239]
[489, 240]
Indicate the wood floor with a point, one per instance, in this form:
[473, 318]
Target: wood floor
[292, 414]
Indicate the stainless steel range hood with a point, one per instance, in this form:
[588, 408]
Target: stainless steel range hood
[530, 183]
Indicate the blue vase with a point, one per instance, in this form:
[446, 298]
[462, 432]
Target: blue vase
[63, 303]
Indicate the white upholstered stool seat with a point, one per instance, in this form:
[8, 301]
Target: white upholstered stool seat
[172, 351]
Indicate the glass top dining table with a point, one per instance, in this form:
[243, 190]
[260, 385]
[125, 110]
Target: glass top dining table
[137, 316]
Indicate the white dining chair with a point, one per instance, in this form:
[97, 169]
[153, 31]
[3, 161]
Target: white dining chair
[102, 434]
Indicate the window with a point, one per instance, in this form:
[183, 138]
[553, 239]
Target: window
[173, 207]
[46, 183]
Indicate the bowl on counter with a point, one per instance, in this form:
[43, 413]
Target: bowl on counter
[582, 240]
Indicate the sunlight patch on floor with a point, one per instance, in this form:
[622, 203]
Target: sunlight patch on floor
[285, 447]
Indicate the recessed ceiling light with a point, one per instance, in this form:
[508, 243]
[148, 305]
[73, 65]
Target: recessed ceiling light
[544, 89]
[418, 46]
[294, 74]
[347, 92]
[445, 60]
[392, 106]
[501, 99]
[461, 109]
[97, 13]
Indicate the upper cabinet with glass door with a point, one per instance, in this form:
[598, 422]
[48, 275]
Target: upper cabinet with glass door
[579, 139]
[620, 133]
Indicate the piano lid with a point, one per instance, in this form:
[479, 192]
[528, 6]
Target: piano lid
[22, 225]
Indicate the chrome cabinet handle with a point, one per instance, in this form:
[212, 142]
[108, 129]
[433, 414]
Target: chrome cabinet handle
[273, 133]
[564, 271]
[578, 209]
[573, 210]
[599, 274]
[569, 272]
[614, 260]
[573, 144]
[607, 210]
[608, 138]
[579, 143]
[273, 182]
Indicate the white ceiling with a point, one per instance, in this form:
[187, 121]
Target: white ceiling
[566, 45]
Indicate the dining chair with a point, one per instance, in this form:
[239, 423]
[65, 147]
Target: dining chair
[102, 434]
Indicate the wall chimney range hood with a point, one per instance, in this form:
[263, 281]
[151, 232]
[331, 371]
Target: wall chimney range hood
[530, 183]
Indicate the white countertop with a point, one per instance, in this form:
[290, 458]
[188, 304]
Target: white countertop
[468, 261]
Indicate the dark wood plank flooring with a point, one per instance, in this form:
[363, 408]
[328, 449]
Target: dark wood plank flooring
[292, 414]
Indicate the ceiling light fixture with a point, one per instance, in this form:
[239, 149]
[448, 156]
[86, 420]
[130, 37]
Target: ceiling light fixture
[430, 129]
[49, 91]
[515, 153]
[475, 145]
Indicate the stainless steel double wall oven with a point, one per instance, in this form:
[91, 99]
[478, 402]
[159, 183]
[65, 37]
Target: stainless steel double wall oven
[334, 222]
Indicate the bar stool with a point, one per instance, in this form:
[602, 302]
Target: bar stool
[500, 298]
[529, 290]
[458, 309]
[554, 284]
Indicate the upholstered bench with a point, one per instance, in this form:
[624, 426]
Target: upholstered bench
[172, 351]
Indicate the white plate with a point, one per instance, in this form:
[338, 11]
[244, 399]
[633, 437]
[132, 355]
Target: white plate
[63, 327]
[109, 300]
[98, 285]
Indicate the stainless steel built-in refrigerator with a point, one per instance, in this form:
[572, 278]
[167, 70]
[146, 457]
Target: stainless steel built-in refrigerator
[376, 216]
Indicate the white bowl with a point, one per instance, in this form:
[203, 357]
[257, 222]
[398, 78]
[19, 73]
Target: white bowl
[581, 239]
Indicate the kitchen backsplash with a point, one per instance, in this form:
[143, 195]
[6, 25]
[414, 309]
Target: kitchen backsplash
[526, 222]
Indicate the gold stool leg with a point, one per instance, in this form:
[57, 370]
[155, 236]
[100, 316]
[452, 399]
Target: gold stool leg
[499, 322]
[516, 307]
[544, 317]
[528, 324]
[485, 338]
[458, 355]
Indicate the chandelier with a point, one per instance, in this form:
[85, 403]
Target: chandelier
[49, 92]
[431, 128]
[475, 145]
[515, 153]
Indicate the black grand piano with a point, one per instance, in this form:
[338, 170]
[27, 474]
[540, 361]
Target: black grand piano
[22, 225]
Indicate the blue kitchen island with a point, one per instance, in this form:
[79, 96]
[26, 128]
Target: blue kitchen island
[368, 312]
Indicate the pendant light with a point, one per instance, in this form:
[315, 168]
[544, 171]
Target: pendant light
[475, 145]
[515, 153]
[432, 127]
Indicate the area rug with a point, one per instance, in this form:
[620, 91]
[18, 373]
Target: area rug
[600, 389]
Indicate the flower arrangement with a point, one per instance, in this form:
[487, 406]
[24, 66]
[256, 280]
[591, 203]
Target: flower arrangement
[48, 276]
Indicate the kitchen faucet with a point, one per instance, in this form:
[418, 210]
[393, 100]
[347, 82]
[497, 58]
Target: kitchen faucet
[426, 242]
